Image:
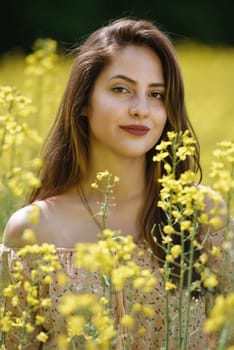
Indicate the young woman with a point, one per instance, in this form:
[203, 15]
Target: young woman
[124, 94]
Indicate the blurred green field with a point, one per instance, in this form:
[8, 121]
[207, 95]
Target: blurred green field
[209, 85]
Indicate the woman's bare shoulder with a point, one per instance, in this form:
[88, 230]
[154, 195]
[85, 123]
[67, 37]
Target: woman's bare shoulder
[50, 220]
[31, 217]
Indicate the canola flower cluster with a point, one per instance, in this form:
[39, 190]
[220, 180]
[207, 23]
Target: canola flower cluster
[17, 166]
[43, 60]
[183, 203]
[111, 257]
[88, 320]
[221, 314]
[21, 125]
[23, 305]
[97, 326]
[104, 183]
[41, 81]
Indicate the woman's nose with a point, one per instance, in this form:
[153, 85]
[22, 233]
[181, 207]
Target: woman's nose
[139, 108]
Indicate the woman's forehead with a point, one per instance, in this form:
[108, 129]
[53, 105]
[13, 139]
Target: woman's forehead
[135, 62]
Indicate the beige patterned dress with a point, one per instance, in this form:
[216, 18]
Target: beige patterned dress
[154, 337]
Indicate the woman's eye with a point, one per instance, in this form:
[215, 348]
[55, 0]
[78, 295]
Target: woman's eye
[120, 89]
[157, 95]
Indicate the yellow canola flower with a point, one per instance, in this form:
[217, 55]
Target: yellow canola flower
[107, 254]
[209, 279]
[127, 321]
[29, 328]
[46, 303]
[62, 342]
[15, 300]
[39, 319]
[9, 291]
[95, 257]
[168, 229]
[70, 302]
[170, 286]
[164, 205]
[37, 163]
[147, 310]
[47, 279]
[42, 337]
[31, 301]
[171, 135]
[141, 331]
[203, 218]
[160, 156]
[183, 152]
[197, 244]
[62, 279]
[163, 145]
[176, 214]
[84, 312]
[203, 258]
[139, 282]
[34, 214]
[185, 225]
[221, 314]
[75, 325]
[169, 258]
[213, 324]
[149, 284]
[215, 251]
[31, 179]
[176, 251]
[45, 248]
[94, 185]
[102, 174]
[6, 323]
[166, 240]
[216, 222]
[29, 236]
[168, 168]
[122, 274]
[136, 307]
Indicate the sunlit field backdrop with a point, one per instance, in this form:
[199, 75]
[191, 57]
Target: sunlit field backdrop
[209, 85]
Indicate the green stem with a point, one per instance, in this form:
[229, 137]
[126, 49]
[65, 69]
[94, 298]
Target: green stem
[105, 203]
[22, 338]
[3, 335]
[223, 339]
[190, 273]
[182, 262]
[168, 320]
[167, 268]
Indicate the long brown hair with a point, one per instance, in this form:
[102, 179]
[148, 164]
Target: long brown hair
[66, 153]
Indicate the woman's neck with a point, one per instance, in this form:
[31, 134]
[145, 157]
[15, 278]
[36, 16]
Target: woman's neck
[130, 171]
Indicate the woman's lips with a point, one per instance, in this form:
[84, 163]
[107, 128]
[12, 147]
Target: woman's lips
[138, 130]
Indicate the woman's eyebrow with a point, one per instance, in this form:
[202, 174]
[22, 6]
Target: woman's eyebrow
[130, 80]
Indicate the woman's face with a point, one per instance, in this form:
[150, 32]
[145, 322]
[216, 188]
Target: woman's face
[126, 111]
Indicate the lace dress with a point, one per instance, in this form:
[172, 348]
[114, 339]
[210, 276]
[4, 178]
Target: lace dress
[154, 336]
